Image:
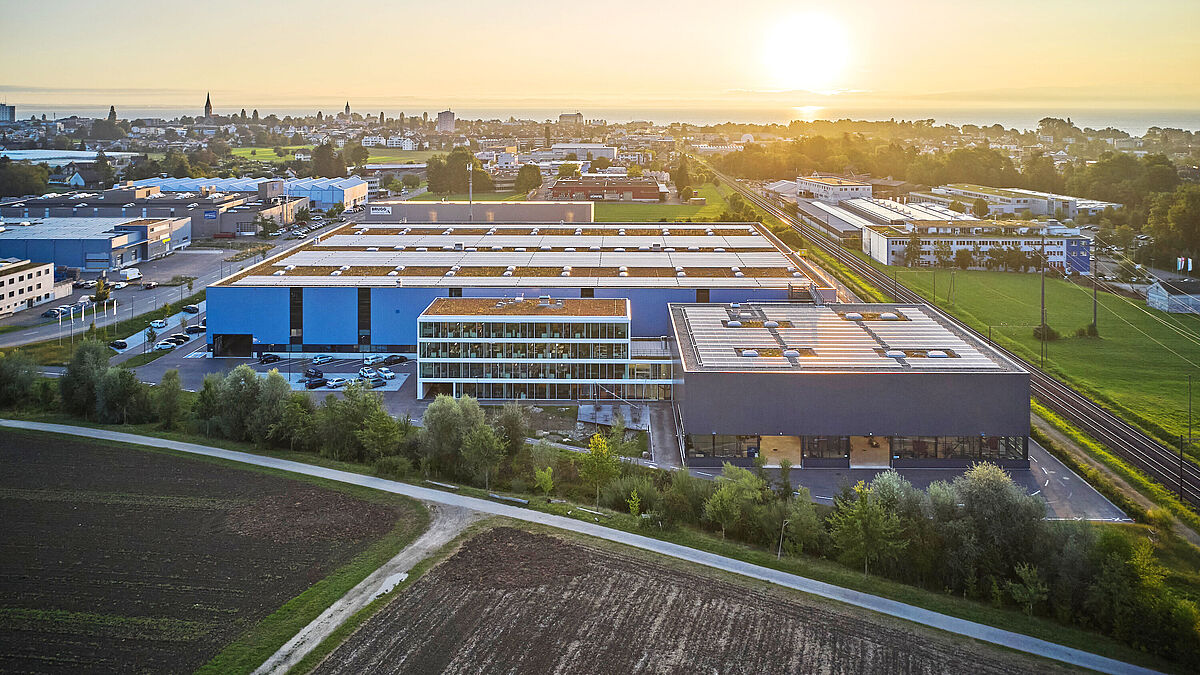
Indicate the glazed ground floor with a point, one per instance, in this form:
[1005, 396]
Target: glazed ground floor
[856, 451]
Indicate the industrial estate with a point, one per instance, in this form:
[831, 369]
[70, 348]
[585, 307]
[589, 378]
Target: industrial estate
[445, 388]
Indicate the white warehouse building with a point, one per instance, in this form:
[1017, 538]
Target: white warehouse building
[831, 189]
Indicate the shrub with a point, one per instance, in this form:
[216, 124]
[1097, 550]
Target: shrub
[616, 494]
[393, 466]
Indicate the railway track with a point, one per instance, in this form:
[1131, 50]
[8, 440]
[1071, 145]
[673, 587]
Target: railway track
[1158, 461]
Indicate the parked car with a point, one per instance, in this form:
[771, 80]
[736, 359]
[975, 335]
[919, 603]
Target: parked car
[191, 309]
[366, 372]
[194, 330]
[321, 358]
[313, 372]
[165, 345]
[374, 382]
[315, 382]
[119, 285]
[385, 373]
[335, 382]
[52, 313]
[149, 285]
[179, 340]
[119, 344]
[393, 359]
[370, 359]
[269, 358]
[158, 324]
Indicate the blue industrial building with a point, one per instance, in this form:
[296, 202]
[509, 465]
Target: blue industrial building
[93, 243]
[322, 193]
[361, 288]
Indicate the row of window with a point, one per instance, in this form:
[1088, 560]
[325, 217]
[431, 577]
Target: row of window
[538, 330]
[547, 371]
[23, 277]
[524, 350]
[992, 448]
[552, 391]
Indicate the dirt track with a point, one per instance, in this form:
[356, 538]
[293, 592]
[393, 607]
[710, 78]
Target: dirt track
[510, 601]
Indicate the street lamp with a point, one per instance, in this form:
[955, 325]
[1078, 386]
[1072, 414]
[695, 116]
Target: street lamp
[782, 529]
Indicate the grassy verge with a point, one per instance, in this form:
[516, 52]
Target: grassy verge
[52, 353]
[1152, 489]
[622, 212]
[814, 568]
[350, 625]
[144, 358]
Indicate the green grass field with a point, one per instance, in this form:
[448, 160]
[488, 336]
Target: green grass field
[266, 154]
[1139, 364]
[376, 155]
[478, 196]
[640, 211]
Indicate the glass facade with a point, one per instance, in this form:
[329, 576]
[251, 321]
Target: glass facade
[530, 358]
[824, 448]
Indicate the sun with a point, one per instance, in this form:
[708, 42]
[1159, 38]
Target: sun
[807, 51]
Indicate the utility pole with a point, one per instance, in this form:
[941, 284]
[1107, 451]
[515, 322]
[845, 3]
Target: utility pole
[471, 189]
[1043, 328]
[1095, 313]
[1181, 497]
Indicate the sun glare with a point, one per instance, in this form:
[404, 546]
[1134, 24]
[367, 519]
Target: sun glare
[807, 51]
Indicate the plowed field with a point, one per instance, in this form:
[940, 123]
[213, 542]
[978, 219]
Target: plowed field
[114, 559]
[514, 602]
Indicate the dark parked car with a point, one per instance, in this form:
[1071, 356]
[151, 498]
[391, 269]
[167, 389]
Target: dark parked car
[179, 340]
[393, 359]
[180, 336]
[51, 313]
[313, 372]
[191, 309]
[314, 382]
[118, 344]
[149, 285]
[194, 330]
[268, 358]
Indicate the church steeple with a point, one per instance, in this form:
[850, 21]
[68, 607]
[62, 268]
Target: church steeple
[347, 108]
[208, 105]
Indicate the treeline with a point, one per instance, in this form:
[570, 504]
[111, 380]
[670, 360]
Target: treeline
[979, 536]
[447, 174]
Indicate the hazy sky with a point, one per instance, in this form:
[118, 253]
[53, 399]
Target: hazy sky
[484, 52]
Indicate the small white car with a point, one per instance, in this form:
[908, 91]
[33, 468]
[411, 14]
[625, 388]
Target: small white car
[165, 345]
[158, 323]
[119, 285]
[366, 372]
[322, 358]
[335, 382]
[385, 373]
[370, 359]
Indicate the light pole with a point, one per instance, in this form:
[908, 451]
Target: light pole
[782, 529]
[471, 189]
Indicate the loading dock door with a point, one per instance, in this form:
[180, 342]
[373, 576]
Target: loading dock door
[233, 344]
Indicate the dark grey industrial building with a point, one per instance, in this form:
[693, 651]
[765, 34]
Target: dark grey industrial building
[859, 386]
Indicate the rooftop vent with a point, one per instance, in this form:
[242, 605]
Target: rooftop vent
[739, 274]
[618, 250]
[398, 268]
[937, 354]
[681, 273]
[393, 273]
[894, 353]
[770, 324]
[735, 269]
[622, 268]
[733, 324]
[719, 250]
[622, 274]
[335, 273]
[277, 273]
[678, 268]
[853, 316]
[506, 273]
[372, 248]
[497, 248]
[450, 273]
[398, 247]
[569, 249]
[544, 247]
[289, 267]
[669, 249]
[593, 248]
[510, 268]
[791, 353]
[519, 249]
[750, 353]
[344, 268]
[693, 248]
[889, 316]
[422, 249]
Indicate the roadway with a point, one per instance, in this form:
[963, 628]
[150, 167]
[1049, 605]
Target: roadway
[1003, 638]
[1162, 463]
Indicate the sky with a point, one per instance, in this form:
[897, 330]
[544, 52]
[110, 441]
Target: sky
[530, 53]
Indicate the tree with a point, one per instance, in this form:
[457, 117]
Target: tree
[686, 193]
[168, 400]
[19, 178]
[121, 397]
[543, 479]
[723, 509]
[1175, 219]
[112, 114]
[410, 180]
[273, 392]
[738, 490]
[529, 177]
[78, 383]
[634, 503]
[681, 174]
[239, 396]
[513, 426]
[326, 163]
[598, 466]
[958, 206]
[963, 258]
[355, 154]
[912, 250]
[381, 435]
[482, 451]
[785, 478]
[1030, 590]
[981, 208]
[17, 374]
[863, 531]
[942, 252]
[601, 163]
[568, 170]
[207, 406]
[303, 215]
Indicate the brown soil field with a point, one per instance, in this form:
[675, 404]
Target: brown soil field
[509, 601]
[116, 559]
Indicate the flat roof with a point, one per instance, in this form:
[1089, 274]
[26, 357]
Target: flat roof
[538, 307]
[668, 255]
[72, 228]
[795, 337]
[833, 180]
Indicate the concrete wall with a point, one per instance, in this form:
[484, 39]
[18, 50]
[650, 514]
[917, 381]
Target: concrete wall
[884, 404]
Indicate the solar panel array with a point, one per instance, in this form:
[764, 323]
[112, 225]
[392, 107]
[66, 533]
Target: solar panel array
[824, 339]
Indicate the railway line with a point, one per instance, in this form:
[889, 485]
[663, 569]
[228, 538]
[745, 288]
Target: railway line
[1164, 464]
